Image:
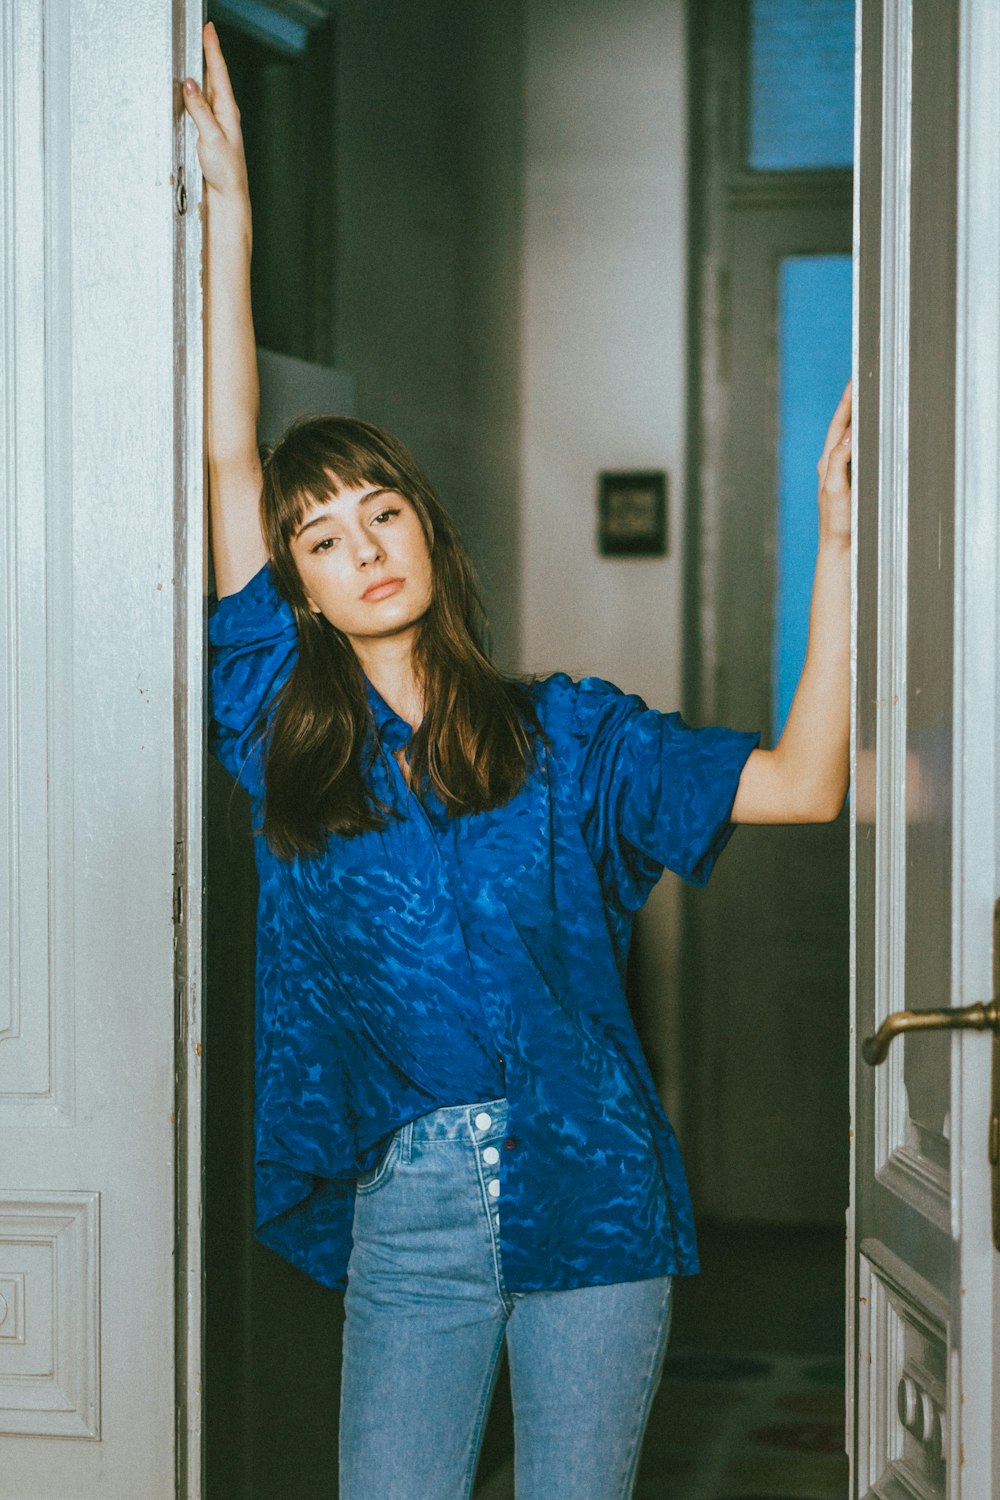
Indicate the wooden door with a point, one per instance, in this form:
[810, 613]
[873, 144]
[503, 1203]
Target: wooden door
[100, 422]
[922, 1267]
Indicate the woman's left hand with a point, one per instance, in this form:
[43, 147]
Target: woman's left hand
[834, 469]
[804, 778]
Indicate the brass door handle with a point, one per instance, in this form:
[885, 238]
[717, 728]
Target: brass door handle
[985, 1016]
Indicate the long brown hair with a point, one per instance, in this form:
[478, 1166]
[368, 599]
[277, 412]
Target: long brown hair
[477, 740]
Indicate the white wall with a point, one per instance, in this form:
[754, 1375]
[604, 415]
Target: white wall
[603, 312]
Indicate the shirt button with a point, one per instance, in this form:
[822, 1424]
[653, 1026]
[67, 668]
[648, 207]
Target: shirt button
[483, 1121]
[510, 1142]
[491, 1155]
[494, 1189]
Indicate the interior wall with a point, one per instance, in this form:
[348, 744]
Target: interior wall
[428, 177]
[604, 305]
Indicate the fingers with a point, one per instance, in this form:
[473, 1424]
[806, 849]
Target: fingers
[218, 85]
[200, 111]
[835, 507]
[836, 480]
[213, 110]
[840, 419]
[839, 424]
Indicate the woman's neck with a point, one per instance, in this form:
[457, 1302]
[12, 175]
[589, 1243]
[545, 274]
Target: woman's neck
[388, 663]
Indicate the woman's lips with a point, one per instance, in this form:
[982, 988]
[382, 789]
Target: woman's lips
[383, 590]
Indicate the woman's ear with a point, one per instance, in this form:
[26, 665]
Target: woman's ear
[313, 606]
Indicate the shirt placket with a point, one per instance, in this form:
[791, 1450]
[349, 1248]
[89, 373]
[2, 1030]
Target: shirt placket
[436, 822]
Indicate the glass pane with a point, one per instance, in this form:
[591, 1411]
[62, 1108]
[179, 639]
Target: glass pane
[801, 84]
[814, 365]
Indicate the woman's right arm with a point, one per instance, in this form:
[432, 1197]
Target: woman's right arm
[232, 390]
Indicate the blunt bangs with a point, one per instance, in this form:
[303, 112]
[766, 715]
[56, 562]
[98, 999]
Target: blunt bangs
[320, 456]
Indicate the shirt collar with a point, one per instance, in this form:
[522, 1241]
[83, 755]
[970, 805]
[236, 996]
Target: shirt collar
[393, 731]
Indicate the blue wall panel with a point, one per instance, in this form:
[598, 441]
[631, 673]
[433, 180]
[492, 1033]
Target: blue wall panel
[801, 84]
[814, 365]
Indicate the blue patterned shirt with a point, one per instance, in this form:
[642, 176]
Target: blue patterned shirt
[448, 960]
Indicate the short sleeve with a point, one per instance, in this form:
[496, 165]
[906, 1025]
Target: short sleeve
[654, 793]
[253, 644]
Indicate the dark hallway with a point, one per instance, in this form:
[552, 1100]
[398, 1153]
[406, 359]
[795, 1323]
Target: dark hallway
[751, 1406]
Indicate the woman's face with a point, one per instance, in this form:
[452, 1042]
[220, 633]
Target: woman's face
[364, 562]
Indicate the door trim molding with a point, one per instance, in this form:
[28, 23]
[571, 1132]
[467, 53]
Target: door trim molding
[189, 762]
[976, 864]
[906, 1317]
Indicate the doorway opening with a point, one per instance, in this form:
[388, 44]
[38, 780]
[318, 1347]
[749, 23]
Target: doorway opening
[766, 958]
[405, 278]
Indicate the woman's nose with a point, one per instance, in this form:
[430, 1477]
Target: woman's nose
[369, 550]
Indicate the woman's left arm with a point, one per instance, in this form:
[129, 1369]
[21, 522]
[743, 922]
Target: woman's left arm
[804, 779]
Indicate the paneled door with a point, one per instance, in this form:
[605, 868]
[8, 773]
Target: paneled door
[923, 1270]
[100, 752]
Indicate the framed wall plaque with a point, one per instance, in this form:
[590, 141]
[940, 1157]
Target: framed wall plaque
[632, 513]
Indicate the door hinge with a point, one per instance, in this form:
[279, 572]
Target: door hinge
[180, 190]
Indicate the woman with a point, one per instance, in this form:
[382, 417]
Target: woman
[454, 1117]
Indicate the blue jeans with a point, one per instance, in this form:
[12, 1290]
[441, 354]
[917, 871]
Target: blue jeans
[427, 1313]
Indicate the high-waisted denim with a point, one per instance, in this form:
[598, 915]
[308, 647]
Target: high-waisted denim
[427, 1315]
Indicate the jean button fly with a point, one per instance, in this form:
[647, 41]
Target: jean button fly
[491, 1156]
[494, 1189]
[483, 1121]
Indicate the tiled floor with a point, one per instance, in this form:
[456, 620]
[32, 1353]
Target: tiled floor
[751, 1406]
[746, 1426]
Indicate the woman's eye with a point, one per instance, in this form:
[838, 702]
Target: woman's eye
[324, 545]
[385, 515]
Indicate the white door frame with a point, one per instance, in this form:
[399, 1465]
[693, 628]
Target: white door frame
[190, 544]
[966, 1316]
[975, 1376]
[101, 629]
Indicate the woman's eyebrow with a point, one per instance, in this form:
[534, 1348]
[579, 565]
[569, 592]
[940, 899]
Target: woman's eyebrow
[325, 515]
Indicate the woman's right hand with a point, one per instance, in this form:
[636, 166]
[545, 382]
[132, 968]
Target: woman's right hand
[232, 387]
[220, 139]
